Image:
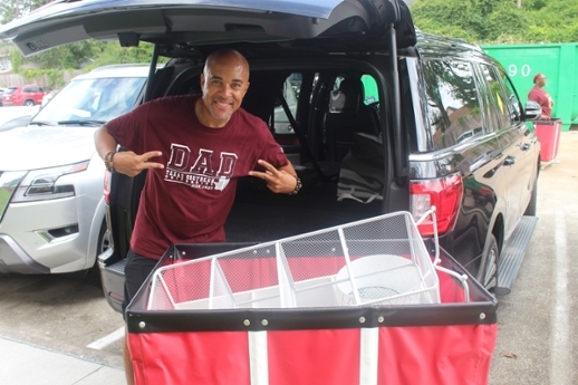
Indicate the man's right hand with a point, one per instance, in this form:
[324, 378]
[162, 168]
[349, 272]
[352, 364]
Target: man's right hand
[131, 164]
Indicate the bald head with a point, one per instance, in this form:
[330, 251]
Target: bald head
[229, 56]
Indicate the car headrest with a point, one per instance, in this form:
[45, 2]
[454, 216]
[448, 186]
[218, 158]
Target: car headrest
[347, 98]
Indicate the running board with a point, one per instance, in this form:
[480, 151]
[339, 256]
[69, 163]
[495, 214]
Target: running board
[513, 254]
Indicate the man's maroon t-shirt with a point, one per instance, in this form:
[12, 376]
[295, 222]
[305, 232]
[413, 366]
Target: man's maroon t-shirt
[189, 200]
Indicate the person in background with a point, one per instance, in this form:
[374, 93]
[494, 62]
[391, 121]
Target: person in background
[538, 95]
[195, 148]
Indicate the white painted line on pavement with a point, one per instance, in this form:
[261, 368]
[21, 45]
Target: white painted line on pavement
[107, 340]
[560, 325]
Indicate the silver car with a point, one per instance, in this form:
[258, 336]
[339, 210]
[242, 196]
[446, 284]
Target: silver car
[52, 213]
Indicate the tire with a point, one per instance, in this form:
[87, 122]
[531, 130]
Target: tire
[29, 103]
[488, 273]
[102, 245]
[532, 207]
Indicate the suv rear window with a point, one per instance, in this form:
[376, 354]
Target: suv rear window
[454, 110]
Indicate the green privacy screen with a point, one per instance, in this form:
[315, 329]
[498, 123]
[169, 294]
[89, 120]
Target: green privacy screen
[559, 62]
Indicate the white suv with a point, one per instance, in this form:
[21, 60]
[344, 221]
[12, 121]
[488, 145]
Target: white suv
[52, 215]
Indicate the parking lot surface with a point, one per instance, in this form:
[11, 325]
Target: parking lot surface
[538, 321]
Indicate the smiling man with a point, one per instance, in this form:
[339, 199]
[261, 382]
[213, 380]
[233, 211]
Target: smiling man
[195, 149]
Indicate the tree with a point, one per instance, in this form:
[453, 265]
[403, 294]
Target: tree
[113, 53]
[553, 21]
[499, 21]
[70, 56]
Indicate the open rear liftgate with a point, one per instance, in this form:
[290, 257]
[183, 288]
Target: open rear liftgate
[361, 303]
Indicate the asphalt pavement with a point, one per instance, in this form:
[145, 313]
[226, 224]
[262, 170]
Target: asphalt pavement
[24, 363]
[538, 321]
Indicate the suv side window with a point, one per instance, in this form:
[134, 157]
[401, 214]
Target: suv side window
[506, 107]
[453, 107]
[512, 101]
[496, 103]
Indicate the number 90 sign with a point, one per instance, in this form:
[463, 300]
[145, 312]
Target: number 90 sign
[525, 70]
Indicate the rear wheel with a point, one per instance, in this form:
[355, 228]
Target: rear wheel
[488, 274]
[29, 103]
[102, 245]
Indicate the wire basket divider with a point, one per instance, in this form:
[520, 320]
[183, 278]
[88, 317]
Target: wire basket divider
[436, 262]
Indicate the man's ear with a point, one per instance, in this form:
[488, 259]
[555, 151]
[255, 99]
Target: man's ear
[202, 81]
[246, 88]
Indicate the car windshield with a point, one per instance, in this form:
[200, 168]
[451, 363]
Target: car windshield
[91, 100]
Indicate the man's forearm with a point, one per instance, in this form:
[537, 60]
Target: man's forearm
[104, 142]
[105, 147]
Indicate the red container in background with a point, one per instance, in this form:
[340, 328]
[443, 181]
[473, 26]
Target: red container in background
[548, 133]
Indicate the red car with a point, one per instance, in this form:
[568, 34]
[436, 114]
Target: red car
[29, 95]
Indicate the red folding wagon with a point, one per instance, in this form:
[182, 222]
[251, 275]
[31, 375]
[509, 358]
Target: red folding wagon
[363, 303]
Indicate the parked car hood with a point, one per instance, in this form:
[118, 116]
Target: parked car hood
[34, 147]
[203, 22]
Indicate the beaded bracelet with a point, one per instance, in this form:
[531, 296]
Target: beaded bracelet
[108, 161]
[298, 186]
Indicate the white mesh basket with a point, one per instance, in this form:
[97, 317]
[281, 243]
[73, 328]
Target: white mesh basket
[381, 260]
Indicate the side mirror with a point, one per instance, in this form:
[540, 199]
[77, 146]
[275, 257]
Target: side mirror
[533, 111]
[21, 121]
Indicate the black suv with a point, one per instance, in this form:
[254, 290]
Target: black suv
[377, 117]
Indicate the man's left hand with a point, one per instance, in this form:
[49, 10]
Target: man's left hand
[278, 181]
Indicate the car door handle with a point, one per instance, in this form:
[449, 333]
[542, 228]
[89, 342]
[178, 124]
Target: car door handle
[510, 160]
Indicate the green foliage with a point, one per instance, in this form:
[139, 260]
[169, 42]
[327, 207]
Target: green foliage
[16, 60]
[499, 21]
[113, 53]
[54, 76]
[71, 56]
[86, 55]
[557, 21]
[449, 18]
[505, 20]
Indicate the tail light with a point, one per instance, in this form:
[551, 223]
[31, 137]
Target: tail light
[445, 194]
[106, 187]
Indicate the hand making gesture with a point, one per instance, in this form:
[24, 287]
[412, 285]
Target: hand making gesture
[131, 164]
[282, 180]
